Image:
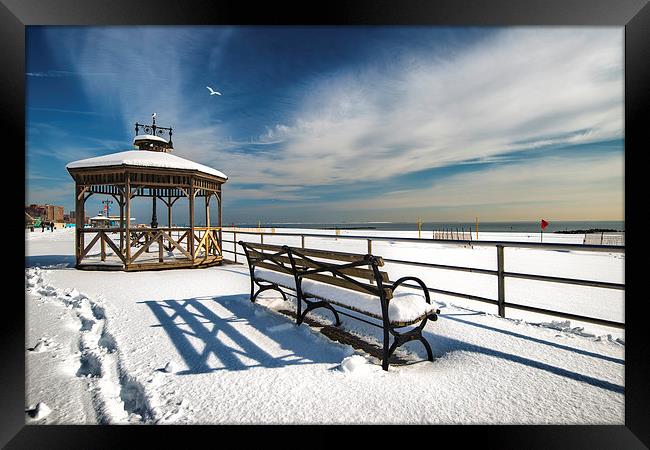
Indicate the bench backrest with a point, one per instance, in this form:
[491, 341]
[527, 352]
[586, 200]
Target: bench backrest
[322, 265]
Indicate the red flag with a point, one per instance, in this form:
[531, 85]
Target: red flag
[544, 224]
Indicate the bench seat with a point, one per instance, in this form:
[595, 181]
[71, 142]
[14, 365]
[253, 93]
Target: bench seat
[281, 279]
[404, 308]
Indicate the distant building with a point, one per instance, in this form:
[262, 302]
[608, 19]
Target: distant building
[49, 213]
[37, 211]
[55, 213]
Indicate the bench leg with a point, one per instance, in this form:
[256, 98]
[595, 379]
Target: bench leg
[401, 339]
[387, 350]
[313, 305]
[266, 288]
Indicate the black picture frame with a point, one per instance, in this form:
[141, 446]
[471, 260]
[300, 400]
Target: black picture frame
[634, 15]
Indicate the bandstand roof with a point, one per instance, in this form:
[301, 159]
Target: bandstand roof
[143, 158]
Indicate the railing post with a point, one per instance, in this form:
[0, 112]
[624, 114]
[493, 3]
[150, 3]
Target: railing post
[261, 238]
[501, 282]
[103, 246]
[234, 243]
[302, 240]
[370, 246]
[160, 248]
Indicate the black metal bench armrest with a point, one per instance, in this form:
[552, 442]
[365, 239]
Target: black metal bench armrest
[397, 283]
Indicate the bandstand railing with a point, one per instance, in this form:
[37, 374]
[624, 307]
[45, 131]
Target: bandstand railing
[173, 245]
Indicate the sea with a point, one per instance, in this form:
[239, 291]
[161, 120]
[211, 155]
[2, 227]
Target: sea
[522, 227]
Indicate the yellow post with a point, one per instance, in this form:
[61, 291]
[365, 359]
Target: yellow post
[477, 228]
[419, 222]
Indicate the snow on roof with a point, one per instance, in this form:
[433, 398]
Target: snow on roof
[144, 158]
[149, 137]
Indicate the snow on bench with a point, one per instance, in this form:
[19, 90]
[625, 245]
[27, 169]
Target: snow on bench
[404, 307]
[348, 280]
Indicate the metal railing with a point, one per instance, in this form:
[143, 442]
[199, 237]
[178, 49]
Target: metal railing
[500, 272]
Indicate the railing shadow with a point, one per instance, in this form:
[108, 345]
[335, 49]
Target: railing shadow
[193, 318]
[442, 344]
[534, 339]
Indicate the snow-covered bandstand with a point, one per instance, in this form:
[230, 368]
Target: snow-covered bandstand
[153, 172]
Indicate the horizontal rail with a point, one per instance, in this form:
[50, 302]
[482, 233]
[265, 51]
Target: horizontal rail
[566, 315]
[500, 273]
[517, 244]
[140, 229]
[454, 294]
[524, 308]
[442, 266]
[528, 276]
[591, 283]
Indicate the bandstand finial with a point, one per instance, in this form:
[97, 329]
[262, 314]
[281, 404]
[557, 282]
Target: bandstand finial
[154, 138]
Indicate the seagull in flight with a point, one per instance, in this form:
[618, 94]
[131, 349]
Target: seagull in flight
[213, 92]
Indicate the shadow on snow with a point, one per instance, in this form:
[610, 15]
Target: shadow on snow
[50, 260]
[191, 318]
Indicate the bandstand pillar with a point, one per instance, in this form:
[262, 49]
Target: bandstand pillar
[79, 221]
[191, 236]
[128, 214]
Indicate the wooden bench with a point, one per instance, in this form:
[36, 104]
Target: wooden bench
[352, 281]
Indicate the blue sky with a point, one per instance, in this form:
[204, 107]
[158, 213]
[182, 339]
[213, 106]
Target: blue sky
[328, 124]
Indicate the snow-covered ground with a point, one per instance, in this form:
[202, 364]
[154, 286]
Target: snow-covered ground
[186, 346]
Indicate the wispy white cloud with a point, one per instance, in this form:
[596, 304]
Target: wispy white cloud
[521, 85]
[68, 111]
[521, 88]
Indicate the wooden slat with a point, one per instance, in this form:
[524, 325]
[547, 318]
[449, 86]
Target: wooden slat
[87, 249]
[112, 245]
[215, 242]
[144, 247]
[366, 274]
[274, 267]
[353, 271]
[80, 195]
[328, 279]
[176, 244]
[202, 243]
[324, 254]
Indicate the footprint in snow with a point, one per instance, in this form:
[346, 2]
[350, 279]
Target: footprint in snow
[40, 411]
[41, 346]
[170, 367]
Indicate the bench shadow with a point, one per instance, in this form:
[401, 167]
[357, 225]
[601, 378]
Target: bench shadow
[209, 342]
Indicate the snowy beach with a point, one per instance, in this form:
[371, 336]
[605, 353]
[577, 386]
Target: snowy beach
[186, 346]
